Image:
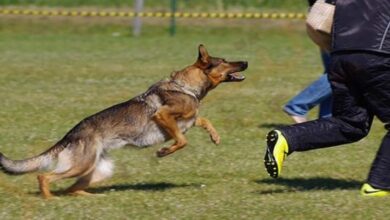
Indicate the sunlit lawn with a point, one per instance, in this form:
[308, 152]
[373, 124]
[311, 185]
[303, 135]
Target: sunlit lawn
[53, 74]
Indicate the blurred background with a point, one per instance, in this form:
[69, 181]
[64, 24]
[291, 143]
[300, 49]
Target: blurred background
[219, 5]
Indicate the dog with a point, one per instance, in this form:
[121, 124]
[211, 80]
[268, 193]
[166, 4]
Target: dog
[164, 112]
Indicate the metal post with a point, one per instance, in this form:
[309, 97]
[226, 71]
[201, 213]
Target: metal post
[138, 6]
[172, 29]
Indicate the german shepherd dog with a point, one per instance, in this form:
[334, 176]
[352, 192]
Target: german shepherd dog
[165, 111]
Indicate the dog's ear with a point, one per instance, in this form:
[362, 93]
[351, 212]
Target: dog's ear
[203, 57]
[203, 54]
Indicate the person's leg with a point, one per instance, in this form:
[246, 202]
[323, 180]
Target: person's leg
[326, 104]
[327, 132]
[326, 61]
[351, 119]
[314, 94]
[320, 133]
[375, 85]
[325, 110]
[379, 175]
[350, 122]
[317, 93]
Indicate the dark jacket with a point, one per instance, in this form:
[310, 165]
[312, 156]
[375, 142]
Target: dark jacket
[311, 2]
[362, 25]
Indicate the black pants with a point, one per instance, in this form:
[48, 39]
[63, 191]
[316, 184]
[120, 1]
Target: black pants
[361, 89]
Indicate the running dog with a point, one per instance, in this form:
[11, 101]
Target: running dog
[165, 111]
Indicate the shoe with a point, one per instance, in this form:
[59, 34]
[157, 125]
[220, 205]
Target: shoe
[368, 190]
[276, 152]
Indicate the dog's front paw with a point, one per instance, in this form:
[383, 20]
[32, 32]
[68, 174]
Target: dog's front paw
[163, 152]
[215, 138]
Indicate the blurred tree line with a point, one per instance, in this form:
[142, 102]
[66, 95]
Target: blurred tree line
[209, 5]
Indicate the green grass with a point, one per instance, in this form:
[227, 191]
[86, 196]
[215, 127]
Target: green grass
[182, 4]
[53, 74]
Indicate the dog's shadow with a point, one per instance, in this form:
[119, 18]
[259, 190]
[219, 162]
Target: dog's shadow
[152, 187]
[159, 186]
[308, 184]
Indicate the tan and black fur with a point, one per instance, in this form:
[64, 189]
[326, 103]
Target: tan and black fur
[165, 111]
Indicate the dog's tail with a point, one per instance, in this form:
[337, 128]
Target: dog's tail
[41, 161]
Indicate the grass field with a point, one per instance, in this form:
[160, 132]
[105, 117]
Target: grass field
[55, 73]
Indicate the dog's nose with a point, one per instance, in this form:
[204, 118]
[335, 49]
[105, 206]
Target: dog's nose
[245, 64]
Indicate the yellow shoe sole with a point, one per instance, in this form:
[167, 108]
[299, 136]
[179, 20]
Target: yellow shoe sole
[275, 154]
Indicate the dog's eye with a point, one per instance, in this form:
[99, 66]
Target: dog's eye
[209, 66]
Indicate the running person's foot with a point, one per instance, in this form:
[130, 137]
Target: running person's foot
[276, 151]
[298, 119]
[368, 190]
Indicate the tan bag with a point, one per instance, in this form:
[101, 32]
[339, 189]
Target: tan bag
[319, 23]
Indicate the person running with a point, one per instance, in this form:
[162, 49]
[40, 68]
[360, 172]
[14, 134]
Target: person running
[360, 80]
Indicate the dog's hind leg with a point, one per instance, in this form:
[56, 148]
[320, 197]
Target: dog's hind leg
[206, 124]
[44, 182]
[45, 179]
[76, 161]
[102, 171]
[80, 185]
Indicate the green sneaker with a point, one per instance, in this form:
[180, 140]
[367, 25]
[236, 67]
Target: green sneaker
[368, 190]
[276, 152]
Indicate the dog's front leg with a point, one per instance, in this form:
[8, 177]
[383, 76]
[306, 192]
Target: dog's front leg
[166, 118]
[206, 124]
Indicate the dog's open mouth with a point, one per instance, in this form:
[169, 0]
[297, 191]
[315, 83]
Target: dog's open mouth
[235, 77]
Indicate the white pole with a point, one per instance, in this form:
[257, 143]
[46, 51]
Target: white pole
[138, 6]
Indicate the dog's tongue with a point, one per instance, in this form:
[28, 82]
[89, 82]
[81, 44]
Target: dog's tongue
[236, 76]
